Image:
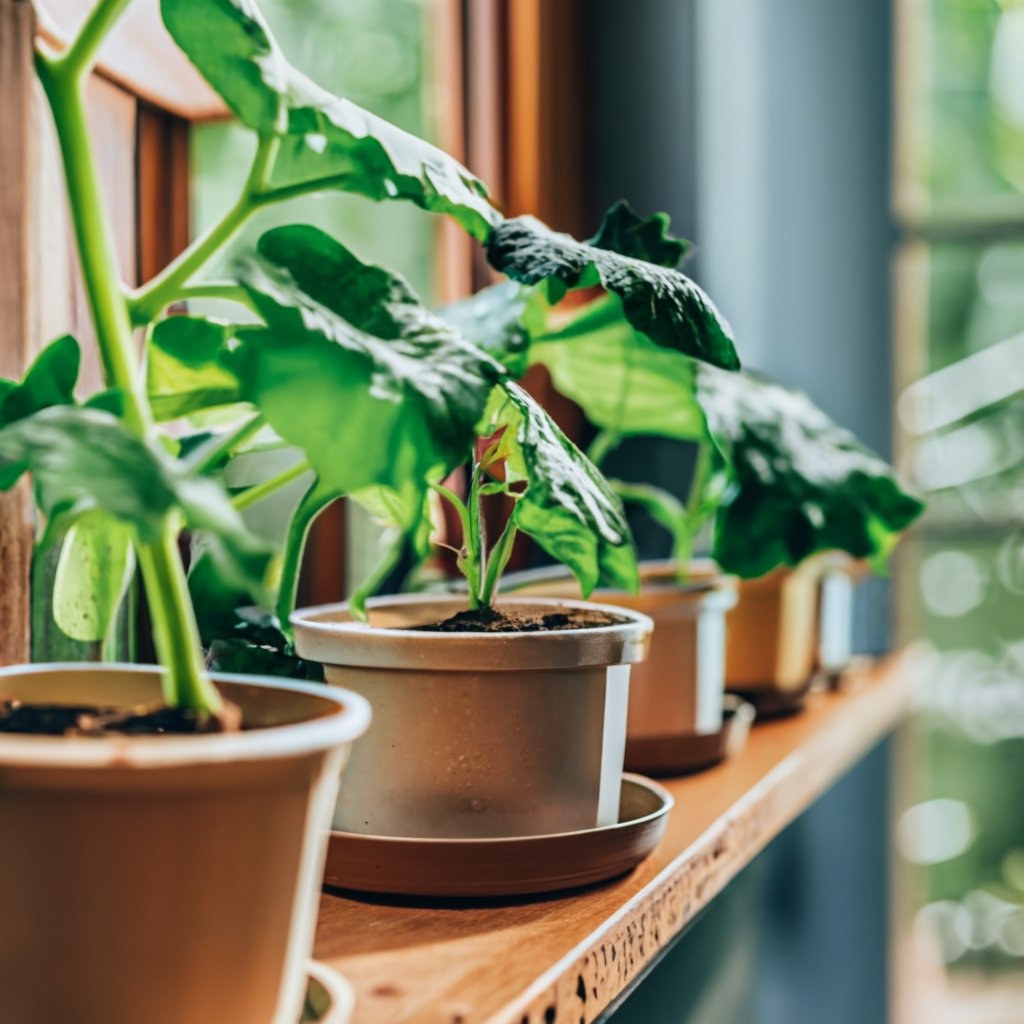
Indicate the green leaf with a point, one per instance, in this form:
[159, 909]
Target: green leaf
[658, 301]
[625, 231]
[800, 482]
[95, 567]
[184, 373]
[84, 459]
[501, 320]
[50, 380]
[568, 508]
[354, 370]
[623, 383]
[322, 136]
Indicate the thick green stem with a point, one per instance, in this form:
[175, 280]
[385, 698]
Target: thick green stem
[78, 60]
[267, 487]
[175, 632]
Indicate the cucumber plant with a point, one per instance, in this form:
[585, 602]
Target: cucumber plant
[332, 357]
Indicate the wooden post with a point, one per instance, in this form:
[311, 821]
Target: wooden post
[16, 107]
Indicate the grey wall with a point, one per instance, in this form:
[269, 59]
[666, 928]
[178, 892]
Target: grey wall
[762, 126]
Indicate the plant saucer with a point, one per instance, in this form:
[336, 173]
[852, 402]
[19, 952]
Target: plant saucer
[507, 866]
[682, 753]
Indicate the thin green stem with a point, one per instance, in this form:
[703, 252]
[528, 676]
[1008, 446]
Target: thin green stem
[223, 291]
[382, 569]
[175, 632]
[146, 302]
[477, 540]
[268, 487]
[219, 449]
[686, 533]
[500, 554]
[313, 502]
[78, 60]
[468, 562]
[301, 188]
[605, 442]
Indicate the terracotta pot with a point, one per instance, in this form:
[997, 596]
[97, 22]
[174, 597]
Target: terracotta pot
[772, 640]
[679, 689]
[478, 735]
[165, 879]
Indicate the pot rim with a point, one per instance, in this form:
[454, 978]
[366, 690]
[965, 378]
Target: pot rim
[346, 720]
[322, 631]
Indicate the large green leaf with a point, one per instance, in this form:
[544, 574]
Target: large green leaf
[568, 508]
[354, 370]
[50, 380]
[93, 572]
[184, 372]
[321, 136]
[625, 231]
[84, 459]
[502, 320]
[623, 383]
[659, 301]
[801, 483]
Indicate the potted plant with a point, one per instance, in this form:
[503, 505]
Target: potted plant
[779, 482]
[149, 814]
[380, 400]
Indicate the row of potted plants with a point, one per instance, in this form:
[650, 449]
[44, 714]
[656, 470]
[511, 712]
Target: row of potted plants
[151, 815]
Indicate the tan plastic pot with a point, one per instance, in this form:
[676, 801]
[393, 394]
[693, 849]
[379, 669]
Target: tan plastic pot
[679, 689]
[788, 624]
[478, 735]
[165, 879]
[772, 640]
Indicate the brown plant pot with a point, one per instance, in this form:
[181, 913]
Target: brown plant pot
[478, 735]
[165, 879]
[678, 690]
[788, 624]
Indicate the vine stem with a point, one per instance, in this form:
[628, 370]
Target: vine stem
[692, 521]
[171, 284]
[174, 627]
[219, 449]
[267, 487]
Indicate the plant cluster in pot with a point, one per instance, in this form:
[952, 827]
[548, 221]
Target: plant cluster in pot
[337, 364]
[792, 498]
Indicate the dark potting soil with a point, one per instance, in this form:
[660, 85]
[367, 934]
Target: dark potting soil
[490, 620]
[90, 720]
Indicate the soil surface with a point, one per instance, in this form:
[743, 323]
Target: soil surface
[90, 720]
[491, 620]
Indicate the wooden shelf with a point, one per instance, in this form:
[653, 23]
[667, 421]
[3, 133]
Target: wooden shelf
[563, 960]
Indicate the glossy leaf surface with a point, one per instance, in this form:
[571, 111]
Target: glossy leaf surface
[568, 508]
[800, 482]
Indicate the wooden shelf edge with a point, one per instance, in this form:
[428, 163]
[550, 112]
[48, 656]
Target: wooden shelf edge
[691, 881]
[567, 959]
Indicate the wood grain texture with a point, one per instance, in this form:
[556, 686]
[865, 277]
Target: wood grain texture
[563, 960]
[16, 105]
